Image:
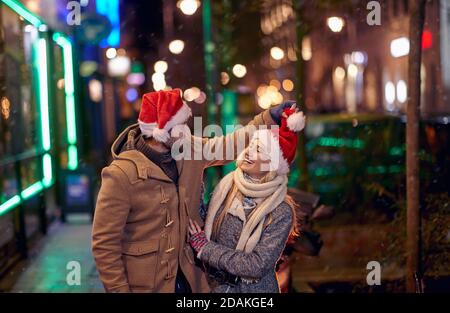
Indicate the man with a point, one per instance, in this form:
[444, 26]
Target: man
[140, 237]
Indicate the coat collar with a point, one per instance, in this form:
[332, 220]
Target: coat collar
[145, 168]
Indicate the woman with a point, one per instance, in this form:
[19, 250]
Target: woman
[250, 216]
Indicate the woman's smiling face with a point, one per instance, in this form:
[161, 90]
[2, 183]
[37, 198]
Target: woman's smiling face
[255, 162]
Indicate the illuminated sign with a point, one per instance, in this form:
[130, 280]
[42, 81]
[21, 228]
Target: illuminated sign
[110, 9]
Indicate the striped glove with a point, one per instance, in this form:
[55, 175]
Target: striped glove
[198, 241]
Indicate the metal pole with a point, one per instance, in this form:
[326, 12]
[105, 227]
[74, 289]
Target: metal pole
[208, 46]
[211, 113]
[300, 31]
[412, 143]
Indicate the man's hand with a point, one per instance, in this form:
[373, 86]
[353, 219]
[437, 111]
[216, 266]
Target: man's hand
[277, 111]
[198, 237]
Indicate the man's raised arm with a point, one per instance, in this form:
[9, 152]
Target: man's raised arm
[222, 150]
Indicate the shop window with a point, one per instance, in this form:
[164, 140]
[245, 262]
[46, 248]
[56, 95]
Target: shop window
[18, 118]
[8, 182]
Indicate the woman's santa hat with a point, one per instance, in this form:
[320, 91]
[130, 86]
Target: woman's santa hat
[160, 112]
[280, 144]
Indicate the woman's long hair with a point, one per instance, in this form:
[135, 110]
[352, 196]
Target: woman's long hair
[218, 220]
[294, 207]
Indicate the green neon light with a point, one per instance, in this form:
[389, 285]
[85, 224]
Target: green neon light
[69, 89]
[229, 106]
[8, 205]
[341, 142]
[322, 171]
[20, 9]
[70, 115]
[396, 169]
[380, 169]
[398, 151]
[73, 157]
[377, 169]
[43, 93]
[47, 169]
[32, 190]
[66, 44]
[40, 60]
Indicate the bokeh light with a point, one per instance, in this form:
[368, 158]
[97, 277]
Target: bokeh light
[288, 85]
[239, 70]
[224, 78]
[176, 46]
[111, 53]
[277, 53]
[336, 24]
[189, 7]
[161, 67]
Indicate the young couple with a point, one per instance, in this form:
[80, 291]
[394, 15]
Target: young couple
[148, 234]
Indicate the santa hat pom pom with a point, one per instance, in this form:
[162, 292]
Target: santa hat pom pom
[161, 135]
[296, 121]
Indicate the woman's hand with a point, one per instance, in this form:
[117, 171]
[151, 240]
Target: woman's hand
[194, 227]
[198, 237]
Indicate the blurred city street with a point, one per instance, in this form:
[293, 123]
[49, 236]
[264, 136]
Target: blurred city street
[45, 270]
[86, 83]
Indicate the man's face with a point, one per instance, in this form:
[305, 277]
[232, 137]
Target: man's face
[177, 133]
[169, 143]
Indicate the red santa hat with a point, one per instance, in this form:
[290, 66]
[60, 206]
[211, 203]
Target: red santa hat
[280, 144]
[160, 112]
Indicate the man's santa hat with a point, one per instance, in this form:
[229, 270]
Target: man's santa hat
[280, 144]
[160, 112]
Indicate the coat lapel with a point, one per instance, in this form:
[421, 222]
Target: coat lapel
[155, 172]
[145, 167]
[180, 164]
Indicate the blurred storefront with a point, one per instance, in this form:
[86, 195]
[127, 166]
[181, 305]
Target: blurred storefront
[39, 129]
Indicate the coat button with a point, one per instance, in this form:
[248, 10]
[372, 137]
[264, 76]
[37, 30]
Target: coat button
[168, 224]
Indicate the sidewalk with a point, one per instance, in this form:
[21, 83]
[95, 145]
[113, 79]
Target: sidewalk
[45, 270]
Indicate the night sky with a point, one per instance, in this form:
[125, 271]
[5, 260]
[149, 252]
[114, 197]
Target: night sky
[142, 23]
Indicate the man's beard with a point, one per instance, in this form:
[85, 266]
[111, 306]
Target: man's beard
[168, 144]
